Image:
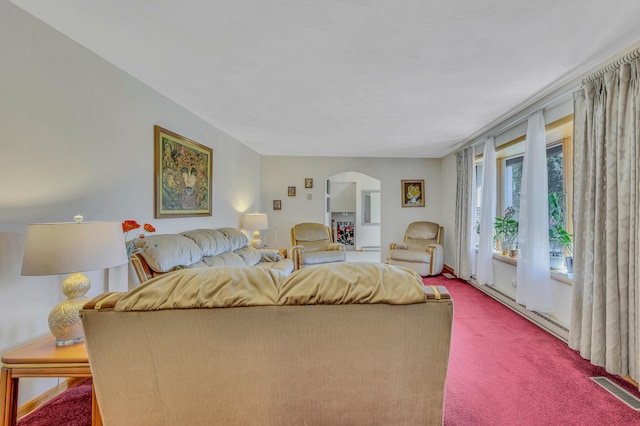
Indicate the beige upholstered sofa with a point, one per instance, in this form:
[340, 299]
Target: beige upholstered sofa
[161, 253]
[336, 344]
[312, 244]
[421, 249]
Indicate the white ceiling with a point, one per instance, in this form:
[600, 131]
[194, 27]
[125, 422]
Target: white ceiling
[366, 78]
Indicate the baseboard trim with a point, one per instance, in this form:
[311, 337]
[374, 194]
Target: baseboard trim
[48, 395]
[449, 270]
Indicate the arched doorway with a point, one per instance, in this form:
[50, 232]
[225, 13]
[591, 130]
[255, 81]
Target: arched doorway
[353, 211]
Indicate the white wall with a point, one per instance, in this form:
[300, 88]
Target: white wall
[78, 138]
[280, 172]
[343, 196]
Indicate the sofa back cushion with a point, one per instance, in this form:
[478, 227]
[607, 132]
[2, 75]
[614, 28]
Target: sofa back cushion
[164, 252]
[237, 239]
[211, 241]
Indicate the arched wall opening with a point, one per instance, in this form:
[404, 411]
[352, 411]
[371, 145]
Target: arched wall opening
[353, 210]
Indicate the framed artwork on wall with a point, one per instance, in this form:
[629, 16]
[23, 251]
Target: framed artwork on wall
[183, 176]
[308, 183]
[413, 193]
[291, 191]
[277, 205]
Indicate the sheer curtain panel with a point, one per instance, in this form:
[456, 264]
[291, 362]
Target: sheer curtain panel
[605, 321]
[484, 274]
[465, 206]
[533, 286]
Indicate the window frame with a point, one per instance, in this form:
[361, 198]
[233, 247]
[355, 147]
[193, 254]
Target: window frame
[515, 148]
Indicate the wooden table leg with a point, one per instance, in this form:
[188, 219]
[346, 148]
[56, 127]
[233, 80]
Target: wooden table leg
[9, 390]
[96, 418]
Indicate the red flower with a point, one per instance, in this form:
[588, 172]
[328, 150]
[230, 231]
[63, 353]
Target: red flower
[130, 225]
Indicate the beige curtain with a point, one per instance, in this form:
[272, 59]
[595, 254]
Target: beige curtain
[465, 213]
[605, 320]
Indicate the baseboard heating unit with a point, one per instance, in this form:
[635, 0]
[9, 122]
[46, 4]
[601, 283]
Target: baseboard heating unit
[543, 321]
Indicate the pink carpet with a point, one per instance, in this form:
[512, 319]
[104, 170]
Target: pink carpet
[504, 370]
[70, 408]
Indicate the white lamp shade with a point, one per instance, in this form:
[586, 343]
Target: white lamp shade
[61, 248]
[256, 221]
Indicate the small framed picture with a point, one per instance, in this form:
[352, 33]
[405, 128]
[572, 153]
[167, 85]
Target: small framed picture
[277, 205]
[291, 191]
[413, 193]
[308, 183]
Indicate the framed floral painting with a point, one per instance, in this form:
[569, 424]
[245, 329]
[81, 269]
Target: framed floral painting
[183, 176]
[413, 193]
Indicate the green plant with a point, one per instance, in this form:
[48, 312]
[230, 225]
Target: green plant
[557, 232]
[507, 228]
[560, 236]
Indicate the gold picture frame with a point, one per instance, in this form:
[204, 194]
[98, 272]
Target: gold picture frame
[308, 183]
[413, 193]
[277, 204]
[291, 191]
[182, 176]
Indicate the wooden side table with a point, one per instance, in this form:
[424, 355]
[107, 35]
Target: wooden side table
[40, 359]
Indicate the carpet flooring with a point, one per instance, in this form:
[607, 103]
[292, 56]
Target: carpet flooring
[503, 370]
[71, 408]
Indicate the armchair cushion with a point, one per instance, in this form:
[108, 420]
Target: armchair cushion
[421, 250]
[419, 235]
[412, 255]
[318, 257]
[312, 244]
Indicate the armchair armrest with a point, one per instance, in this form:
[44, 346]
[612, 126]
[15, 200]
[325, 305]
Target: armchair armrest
[336, 247]
[437, 258]
[295, 254]
[141, 268]
[398, 246]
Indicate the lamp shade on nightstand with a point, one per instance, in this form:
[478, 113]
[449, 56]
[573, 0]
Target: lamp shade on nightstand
[62, 248]
[257, 222]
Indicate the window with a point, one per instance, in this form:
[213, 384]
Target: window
[510, 159]
[513, 183]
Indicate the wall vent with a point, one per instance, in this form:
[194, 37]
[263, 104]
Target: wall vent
[624, 396]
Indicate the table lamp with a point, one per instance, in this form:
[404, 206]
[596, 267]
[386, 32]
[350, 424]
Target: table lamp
[75, 247]
[257, 222]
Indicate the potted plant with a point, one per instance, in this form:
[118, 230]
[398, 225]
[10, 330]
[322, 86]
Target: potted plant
[506, 228]
[560, 236]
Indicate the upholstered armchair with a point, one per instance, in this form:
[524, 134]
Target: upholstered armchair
[421, 250]
[312, 244]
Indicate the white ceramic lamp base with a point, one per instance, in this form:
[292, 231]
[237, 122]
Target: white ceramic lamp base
[64, 320]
